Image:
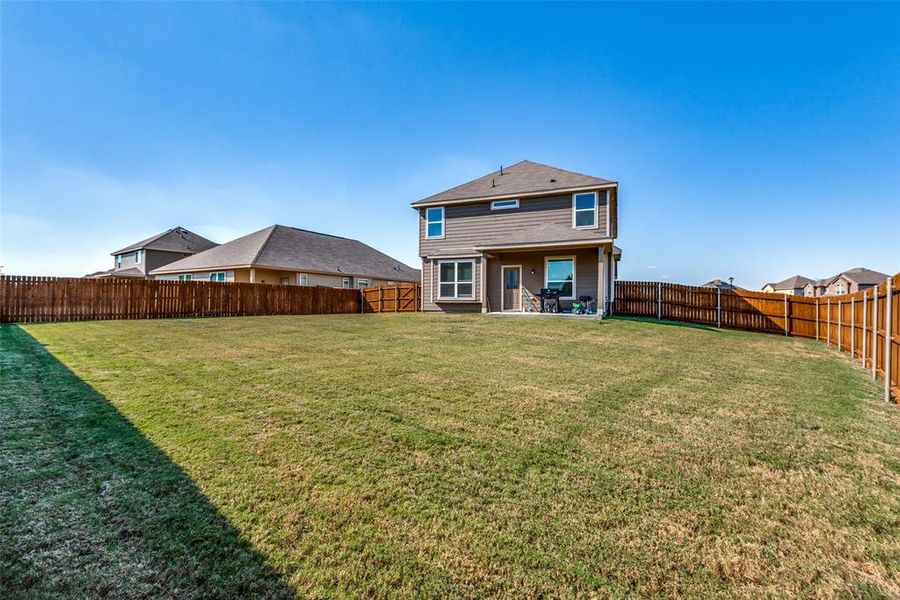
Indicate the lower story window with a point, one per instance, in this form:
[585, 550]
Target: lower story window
[560, 275]
[219, 276]
[185, 277]
[456, 279]
[302, 279]
[345, 282]
[362, 283]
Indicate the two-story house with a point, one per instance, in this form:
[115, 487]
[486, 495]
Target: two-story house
[494, 243]
[138, 259]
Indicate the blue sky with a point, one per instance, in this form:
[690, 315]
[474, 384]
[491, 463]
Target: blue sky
[754, 141]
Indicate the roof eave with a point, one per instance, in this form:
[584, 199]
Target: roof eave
[478, 199]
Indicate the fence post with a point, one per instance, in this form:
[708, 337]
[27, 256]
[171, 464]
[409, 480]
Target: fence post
[362, 300]
[828, 322]
[381, 299]
[786, 326]
[887, 343]
[719, 308]
[865, 296]
[853, 327]
[874, 331]
[396, 299]
[817, 319]
[840, 329]
[659, 301]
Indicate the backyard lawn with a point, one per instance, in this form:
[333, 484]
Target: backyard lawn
[429, 455]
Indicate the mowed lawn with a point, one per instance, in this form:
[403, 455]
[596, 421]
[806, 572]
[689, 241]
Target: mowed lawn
[420, 455]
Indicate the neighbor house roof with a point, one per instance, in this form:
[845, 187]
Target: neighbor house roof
[177, 239]
[860, 276]
[797, 281]
[522, 178]
[129, 272]
[724, 285]
[292, 249]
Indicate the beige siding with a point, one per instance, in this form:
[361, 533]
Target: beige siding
[468, 225]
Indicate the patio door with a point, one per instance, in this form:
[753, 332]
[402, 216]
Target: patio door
[512, 288]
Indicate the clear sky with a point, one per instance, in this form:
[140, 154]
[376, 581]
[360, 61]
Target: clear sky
[749, 140]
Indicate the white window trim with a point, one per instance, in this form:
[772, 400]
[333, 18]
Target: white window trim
[214, 276]
[503, 286]
[346, 283]
[455, 281]
[443, 223]
[185, 277]
[596, 224]
[137, 256]
[359, 280]
[511, 204]
[547, 260]
[302, 279]
[118, 261]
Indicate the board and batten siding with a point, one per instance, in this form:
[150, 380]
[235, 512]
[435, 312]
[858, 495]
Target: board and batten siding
[430, 299]
[468, 225]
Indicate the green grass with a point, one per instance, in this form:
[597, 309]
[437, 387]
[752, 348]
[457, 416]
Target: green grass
[431, 455]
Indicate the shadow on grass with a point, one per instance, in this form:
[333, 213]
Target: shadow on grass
[670, 323]
[91, 508]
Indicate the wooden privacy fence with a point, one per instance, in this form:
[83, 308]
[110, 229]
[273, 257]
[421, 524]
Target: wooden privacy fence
[864, 324]
[392, 298]
[42, 299]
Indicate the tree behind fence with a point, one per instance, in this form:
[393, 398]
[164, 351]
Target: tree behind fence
[26, 299]
[864, 324]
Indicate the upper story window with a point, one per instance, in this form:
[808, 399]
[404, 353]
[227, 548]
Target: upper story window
[302, 279]
[504, 204]
[584, 210]
[137, 256]
[118, 261]
[839, 288]
[434, 222]
[218, 276]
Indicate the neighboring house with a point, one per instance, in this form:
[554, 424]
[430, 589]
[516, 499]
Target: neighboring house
[291, 256]
[815, 288]
[722, 285]
[848, 282]
[792, 286]
[493, 243]
[138, 259]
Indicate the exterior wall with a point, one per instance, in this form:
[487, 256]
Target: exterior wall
[128, 262]
[272, 276]
[467, 225]
[230, 276]
[430, 301]
[586, 273]
[158, 258]
[831, 288]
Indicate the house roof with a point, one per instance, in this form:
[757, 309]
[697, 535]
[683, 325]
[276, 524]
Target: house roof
[860, 276]
[797, 281]
[293, 249]
[524, 177]
[177, 239]
[544, 234]
[129, 272]
[718, 283]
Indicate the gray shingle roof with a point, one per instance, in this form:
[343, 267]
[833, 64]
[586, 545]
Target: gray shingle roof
[860, 275]
[177, 239]
[292, 249]
[797, 281]
[545, 233]
[520, 178]
[129, 272]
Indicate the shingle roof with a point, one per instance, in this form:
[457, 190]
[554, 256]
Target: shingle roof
[860, 275]
[723, 285]
[545, 233]
[520, 178]
[797, 281]
[129, 272]
[289, 248]
[177, 239]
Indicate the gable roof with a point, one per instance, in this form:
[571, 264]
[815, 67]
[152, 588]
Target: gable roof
[718, 283]
[293, 249]
[177, 239]
[860, 276]
[524, 177]
[797, 281]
